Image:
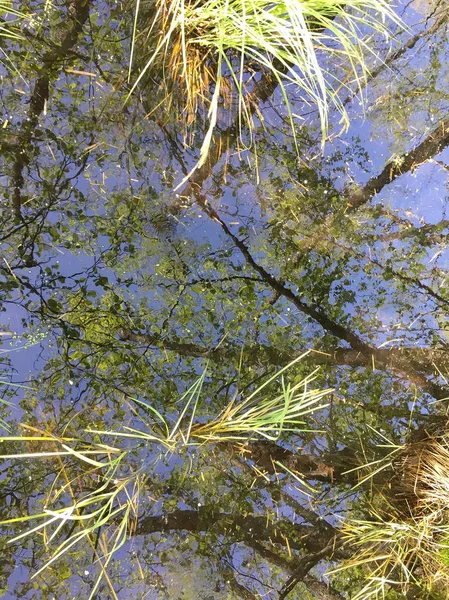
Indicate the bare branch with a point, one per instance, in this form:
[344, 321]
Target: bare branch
[409, 45]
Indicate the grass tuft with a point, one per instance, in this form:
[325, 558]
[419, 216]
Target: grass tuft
[213, 51]
[404, 544]
[97, 487]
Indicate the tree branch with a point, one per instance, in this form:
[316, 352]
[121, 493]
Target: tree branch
[78, 14]
[242, 527]
[416, 364]
[433, 144]
[409, 45]
[431, 233]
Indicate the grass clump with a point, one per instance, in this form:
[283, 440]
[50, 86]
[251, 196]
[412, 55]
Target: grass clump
[98, 484]
[213, 51]
[404, 544]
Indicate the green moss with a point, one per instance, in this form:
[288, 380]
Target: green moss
[443, 554]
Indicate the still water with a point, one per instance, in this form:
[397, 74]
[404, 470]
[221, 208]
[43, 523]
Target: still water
[137, 308]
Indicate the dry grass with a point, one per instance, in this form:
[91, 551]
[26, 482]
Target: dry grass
[405, 541]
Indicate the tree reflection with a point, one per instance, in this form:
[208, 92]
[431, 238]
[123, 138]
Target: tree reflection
[137, 287]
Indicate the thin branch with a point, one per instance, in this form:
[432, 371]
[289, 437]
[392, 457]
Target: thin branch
[79, 15]
[237, 587]
[409, 45]
[320, 589]
[307, 563]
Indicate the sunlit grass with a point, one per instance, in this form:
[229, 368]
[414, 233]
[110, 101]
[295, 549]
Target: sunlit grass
[396, 554]
[114, 503]
[262, 415]
[9, 18]
[405, 542]
[211, 50]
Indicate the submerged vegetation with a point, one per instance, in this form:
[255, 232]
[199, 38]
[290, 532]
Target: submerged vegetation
[232, 387]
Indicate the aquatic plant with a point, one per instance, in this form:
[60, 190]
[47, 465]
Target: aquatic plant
[404, 543]
[213, 52]
[9, 18]
[105, 493]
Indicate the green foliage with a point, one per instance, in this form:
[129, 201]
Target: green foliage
[129, 290]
